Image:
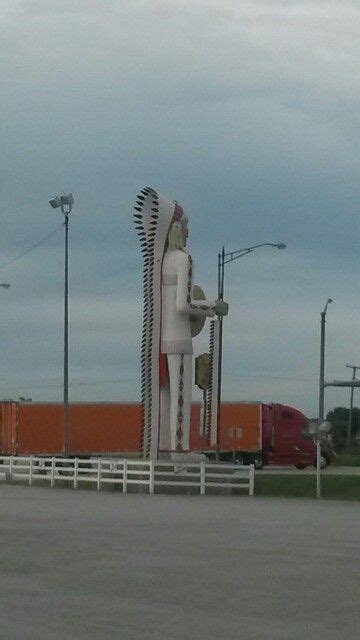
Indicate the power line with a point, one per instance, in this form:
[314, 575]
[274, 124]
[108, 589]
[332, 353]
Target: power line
[32, 248]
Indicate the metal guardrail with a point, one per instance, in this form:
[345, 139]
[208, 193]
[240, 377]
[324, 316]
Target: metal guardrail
[200, 476]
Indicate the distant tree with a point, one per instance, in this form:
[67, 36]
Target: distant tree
[339, 417]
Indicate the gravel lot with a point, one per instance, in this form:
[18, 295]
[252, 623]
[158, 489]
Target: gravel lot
[96, 565]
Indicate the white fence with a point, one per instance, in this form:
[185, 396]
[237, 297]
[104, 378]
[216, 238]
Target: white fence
[199, 477]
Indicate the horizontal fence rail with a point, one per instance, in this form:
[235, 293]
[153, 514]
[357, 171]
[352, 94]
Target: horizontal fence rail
[198, 477]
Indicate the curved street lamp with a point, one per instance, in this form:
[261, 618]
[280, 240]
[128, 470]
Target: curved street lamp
[223, 259]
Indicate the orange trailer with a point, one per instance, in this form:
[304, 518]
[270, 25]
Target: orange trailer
[248, 432]
[240, 428]
[93, 428]
[107, 428]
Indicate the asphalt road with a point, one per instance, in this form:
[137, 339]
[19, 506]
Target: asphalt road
[80, 564]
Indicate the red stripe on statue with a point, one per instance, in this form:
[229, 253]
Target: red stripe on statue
[163, 370]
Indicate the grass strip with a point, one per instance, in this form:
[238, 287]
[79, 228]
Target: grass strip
[348, 459]
[287, 486]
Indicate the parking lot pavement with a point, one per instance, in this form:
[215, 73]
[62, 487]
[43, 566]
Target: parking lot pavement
[81, 564]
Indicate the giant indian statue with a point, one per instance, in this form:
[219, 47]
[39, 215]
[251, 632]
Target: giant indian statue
[172, 313]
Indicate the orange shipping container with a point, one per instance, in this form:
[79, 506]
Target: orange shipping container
[8, 428]
[114, 428]
[240, 426]
[38, 429]
[104, 428]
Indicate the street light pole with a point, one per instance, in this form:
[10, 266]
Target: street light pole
[65, 202]
[221, 277]
[223, 259]
[349, 426]
[322, 361]
[321, 397]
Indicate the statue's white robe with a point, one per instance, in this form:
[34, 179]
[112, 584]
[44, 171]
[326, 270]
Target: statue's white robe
[176, 342]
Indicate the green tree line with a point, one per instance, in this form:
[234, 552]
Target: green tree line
[339, 418]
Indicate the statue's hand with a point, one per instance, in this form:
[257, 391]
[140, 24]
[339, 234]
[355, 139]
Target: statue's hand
[221, 308]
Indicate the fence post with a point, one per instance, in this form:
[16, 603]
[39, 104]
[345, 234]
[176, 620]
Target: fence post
[151, 476]
[52, 481]
[124, 476]
[76, 465]
[98, 484]
[202, 478]
[30, 471]
[11, 467]
[252, 480]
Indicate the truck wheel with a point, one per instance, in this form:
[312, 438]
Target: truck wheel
[258, 462]
[323, 462]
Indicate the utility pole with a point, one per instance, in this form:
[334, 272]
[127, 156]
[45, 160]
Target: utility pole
[349, 426]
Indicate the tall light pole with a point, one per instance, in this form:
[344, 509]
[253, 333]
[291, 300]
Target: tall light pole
[65, 202]
[223, 259]
[321, 397]
[348, 433]
[322, 361]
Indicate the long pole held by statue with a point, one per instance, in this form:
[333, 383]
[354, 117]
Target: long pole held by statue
[66, 337]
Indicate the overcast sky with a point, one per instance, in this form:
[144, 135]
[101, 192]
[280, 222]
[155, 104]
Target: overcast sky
[246, 112]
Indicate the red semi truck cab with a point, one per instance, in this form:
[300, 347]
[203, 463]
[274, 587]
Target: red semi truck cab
[254, 432]
[285, 437]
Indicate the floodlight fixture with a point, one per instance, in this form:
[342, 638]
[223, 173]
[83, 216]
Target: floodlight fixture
[55, 202]
[67, 199]
[64, 201]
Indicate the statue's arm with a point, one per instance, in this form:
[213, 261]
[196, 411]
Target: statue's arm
[185, 303]
[202, 307]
